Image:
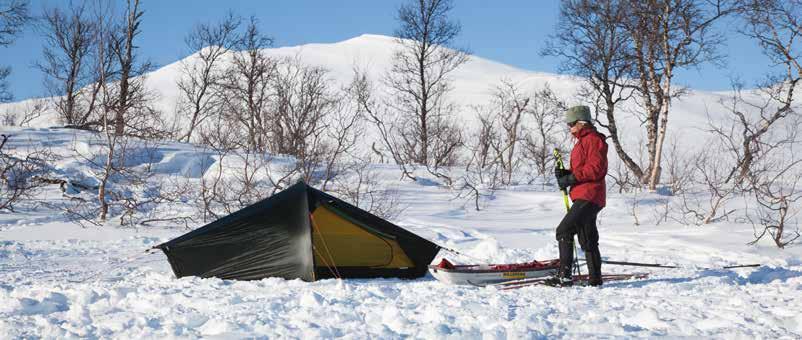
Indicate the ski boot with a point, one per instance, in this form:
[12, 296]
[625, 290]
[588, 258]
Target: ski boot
[594, 268]
[559, 281]
[563, 277]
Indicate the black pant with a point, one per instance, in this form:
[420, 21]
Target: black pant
[580, 220]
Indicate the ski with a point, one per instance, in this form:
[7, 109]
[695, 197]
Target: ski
[580, 280]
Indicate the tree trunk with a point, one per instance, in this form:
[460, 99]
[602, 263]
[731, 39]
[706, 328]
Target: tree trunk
[654, 176]
[423, 157]
[664, 90]
[619, 149]
[101, 190]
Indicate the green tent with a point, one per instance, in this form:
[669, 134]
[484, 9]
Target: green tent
[303, 233]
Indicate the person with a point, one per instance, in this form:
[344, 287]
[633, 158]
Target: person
[588, 194]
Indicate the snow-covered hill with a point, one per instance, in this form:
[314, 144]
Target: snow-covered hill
[473, 84]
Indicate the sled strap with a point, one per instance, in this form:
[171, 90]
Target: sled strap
[459, 253]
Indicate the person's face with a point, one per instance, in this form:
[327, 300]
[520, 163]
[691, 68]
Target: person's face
[575, 127]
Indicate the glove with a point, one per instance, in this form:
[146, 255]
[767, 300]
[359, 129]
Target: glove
[561, 172]
[566, 181]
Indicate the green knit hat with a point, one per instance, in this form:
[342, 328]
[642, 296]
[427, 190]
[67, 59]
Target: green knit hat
[580, 112]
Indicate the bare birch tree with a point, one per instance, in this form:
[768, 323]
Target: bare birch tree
[238, 176]
[69, 41]
[23, 116]
[775, 25]
[122, 48]
[545, 129]
[777, 193]
[512, 104]
[247, 87]
[420, 84]
[20, 173]
[363, 190]
[13, 17]
[198, 86]
[344, 127]
[648, 41]
[310, 119]
[593, 44]
[302, 101]
[484, 170]
[377, 112]
[667, 36]
[753, 138]
[121, 163]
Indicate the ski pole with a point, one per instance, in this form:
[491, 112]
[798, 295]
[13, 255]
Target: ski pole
[657, 265]
[561, 166]
[741, 266]
[637, 264]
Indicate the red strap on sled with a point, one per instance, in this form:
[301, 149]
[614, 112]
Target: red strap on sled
[445, 264]
[528, 265]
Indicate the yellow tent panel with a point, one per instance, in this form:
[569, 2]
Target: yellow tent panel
[339, 240]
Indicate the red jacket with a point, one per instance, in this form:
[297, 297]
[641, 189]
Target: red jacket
[589, 166]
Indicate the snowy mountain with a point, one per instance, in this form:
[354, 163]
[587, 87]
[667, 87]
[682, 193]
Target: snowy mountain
[473, 83]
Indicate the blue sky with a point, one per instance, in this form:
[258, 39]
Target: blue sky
[509, 31]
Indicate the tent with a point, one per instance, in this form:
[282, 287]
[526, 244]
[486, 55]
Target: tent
[303, 233]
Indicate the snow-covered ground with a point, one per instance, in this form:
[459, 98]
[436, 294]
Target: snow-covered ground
[59, 279]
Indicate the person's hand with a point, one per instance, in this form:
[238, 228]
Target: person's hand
[560, 172]
[566, 181]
